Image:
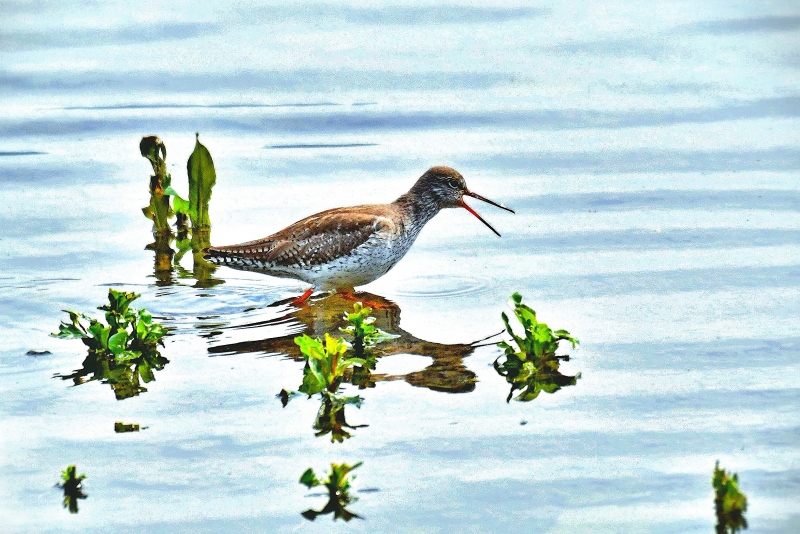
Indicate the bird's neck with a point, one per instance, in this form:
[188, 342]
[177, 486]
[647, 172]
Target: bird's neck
[418, 207]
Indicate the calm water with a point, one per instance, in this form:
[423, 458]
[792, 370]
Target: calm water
[652, 157]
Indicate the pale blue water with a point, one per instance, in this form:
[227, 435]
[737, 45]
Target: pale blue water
[651, 154]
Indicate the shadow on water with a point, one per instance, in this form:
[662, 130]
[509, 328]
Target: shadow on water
[325, 314]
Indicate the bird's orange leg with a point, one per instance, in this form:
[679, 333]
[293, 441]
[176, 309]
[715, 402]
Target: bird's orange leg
[302, 298]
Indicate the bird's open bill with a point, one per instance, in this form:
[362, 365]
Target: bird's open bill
[475, 213]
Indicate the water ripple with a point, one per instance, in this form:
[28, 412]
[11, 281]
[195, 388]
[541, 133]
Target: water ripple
[432, 286]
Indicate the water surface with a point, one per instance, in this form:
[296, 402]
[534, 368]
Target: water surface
[651, 155]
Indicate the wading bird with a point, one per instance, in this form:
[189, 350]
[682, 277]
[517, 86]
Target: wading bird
[342, 248]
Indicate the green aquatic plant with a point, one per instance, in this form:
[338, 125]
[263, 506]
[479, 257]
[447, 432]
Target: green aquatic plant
[365, 337]
[166, 203]
[122, 350]
[326, 363]
[128, 334]
[338, 486]
[325, 368]
[202, 178]
[531, 364]
[729, 501]
[159, 209]
[73, 489]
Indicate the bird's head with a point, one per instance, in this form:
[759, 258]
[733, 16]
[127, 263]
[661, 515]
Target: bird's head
[447, 188]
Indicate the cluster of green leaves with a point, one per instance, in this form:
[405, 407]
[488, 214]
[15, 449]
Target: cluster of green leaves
[338, 486]
[365, 338]
[128, 334]
[326, 363]
[531, 364]
[325, 368]
[120, 351]
[365, 335]
[729, 501]
[72, 486]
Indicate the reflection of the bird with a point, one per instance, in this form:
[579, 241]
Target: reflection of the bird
[446, 373]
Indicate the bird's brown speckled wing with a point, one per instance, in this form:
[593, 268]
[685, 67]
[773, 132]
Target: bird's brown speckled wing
[315, 240]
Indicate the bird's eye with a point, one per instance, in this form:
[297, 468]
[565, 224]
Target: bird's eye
[453, 183]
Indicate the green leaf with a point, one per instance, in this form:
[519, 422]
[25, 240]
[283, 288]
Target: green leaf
[146, 372]
[531, 367]
[202, 178]
[309, 479]
[118, 342]
[127, 355]
[100, 334]
[310, 347]
[179, 204]
[312, 382]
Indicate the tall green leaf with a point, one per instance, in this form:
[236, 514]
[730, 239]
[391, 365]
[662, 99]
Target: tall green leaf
[202, 178]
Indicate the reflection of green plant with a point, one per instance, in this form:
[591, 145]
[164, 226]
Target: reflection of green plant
[532, 366]
[71, 484]
[330, 417]
[121, 351]
[730, 503]
[338, 486]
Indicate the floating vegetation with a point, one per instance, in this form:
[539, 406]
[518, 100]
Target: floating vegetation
[338, 486]
[532, 366]
[121, 428]
[730, 503]
[365, 337]
[121, 352]
[73, 489]
[326, 364]
[166, 203]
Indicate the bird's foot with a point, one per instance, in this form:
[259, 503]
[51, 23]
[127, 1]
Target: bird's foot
[302, 298]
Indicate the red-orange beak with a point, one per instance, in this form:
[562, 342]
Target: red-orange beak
[475, 213]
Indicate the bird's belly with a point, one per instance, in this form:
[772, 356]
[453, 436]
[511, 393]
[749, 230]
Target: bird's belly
[363, 265]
